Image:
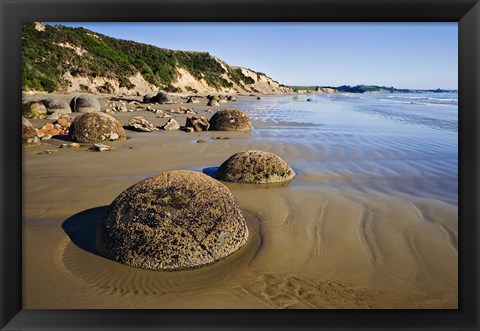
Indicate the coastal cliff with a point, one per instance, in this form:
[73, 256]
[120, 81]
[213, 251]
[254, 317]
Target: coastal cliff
[63, 59]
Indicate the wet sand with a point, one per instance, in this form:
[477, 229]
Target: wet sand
[325, 240]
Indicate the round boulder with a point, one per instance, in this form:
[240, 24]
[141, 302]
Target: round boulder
[175, 220]
[85, 103]
[213, 103]
[96, 127]
[230, 120]
[29, 135]
[163, 97]
[149, 97]
[255, 167]
[57, 106]
[34, 109]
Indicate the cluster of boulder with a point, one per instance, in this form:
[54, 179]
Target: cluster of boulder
[184, 219]
[122, 107]
[94, 126]
[59, 127]
[160, 97]
[178, 219]
[50, 109]
[215, 100]
[32, 136]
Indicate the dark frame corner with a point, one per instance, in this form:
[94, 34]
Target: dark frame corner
[465, 12]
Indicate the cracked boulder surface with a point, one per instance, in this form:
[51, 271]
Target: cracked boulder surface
[96, 127]
[173, 221]
[255, 167]
[229, 119]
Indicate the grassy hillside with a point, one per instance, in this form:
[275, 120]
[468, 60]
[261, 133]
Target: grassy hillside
[303, 88]
[45, 61]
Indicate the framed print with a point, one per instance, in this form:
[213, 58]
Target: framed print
[240, 165]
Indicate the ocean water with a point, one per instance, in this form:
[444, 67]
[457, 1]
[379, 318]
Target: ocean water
[402, 144]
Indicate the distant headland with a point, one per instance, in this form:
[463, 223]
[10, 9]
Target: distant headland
[363, 89]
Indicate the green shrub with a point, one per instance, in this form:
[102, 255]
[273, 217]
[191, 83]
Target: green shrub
[45, 62]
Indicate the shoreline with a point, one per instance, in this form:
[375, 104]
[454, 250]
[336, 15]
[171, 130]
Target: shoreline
[313, 244]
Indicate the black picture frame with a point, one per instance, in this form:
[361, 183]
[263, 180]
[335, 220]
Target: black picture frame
[14, 12]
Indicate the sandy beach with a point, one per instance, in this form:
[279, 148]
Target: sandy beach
[358, 227]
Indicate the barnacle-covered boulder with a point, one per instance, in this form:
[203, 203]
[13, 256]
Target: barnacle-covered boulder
[175, 220]
[96, 127]
[230, 120]
[255, 167]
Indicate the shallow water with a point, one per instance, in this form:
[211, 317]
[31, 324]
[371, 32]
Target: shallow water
[368, 140]
[369, 221]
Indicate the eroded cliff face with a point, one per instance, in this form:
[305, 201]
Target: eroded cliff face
[256, 83]
[184, 82]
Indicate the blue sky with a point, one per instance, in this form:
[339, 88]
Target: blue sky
[404, 55]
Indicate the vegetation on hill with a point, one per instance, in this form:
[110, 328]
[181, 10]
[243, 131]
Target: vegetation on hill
[48, 55]
[303, 88]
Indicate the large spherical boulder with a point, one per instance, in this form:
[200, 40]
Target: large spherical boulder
[255, 167]
[57, 106]
[29, 135]
[96, 127]
[230, 120]
[85, 103]
[175, 220]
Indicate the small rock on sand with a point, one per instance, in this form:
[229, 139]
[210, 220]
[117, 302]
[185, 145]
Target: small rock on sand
[29, 135]
[101, 147]
[70, 145]
[139, 123]
[198, 123]
[171, 125]
[213, 103]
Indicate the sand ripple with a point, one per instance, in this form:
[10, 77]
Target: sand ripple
[114, 278]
